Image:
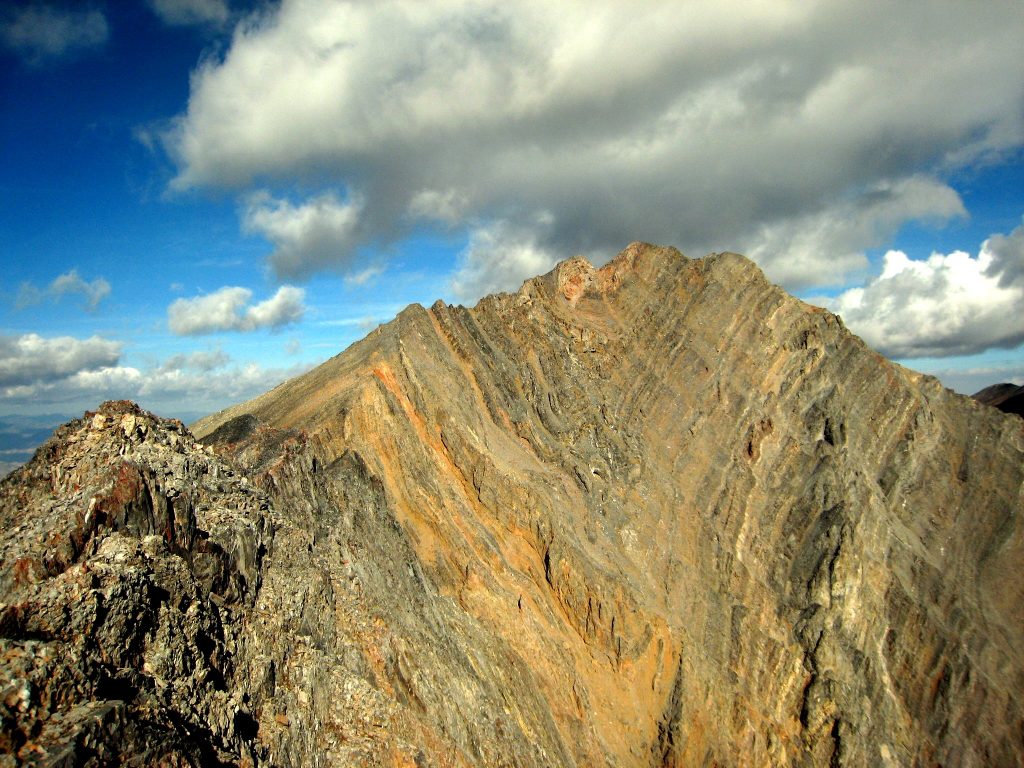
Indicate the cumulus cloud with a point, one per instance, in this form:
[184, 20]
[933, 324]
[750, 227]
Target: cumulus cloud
[202, 361]
[65, 374]
[230, 385]
[188, 12]
[316, 234]
[41, 33]
[363, 276]
[166, 388]
[703, 125]
[948, 304]
[30, 358]
[446, 207]
[1007, 253]
[825, 246]
[500, 257]
[71, 282]
[229, 309]
[114, 378]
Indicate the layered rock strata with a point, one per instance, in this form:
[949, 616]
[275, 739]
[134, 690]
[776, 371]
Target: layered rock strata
[656, 513]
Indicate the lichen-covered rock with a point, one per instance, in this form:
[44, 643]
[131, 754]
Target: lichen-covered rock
[656, 513]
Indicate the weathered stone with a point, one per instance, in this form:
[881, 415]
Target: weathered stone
[120, 567]
[656, 513]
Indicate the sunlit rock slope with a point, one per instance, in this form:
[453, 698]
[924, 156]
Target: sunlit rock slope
[656, 513]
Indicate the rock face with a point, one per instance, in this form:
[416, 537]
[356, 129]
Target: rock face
[130, 557]
[657, 513]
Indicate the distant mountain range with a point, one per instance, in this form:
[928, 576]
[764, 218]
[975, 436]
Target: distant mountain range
[1005, 397]
[21, 435]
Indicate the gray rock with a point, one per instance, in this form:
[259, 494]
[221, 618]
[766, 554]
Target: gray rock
[656, 513]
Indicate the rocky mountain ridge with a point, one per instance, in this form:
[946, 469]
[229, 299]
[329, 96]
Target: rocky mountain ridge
[1006, 397]
[656, 513]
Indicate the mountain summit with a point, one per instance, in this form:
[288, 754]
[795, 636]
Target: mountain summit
[657, 513]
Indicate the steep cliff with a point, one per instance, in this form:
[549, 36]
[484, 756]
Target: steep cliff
[657, 513]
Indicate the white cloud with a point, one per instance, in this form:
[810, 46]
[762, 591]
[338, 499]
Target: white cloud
[115, 378]
[41, 33]
[283, 308]
[229, 310]
[316, 234]
[824, 246]
[446, 207]
[949, 304]
[363, 276]
[1007, 257]
[166, 389]
[499, 258]
[701, 124]
[201, 360]
[194, 393]
[71, 282]
[186, 12]
[30, 358]
[365, 323]
[233, 384]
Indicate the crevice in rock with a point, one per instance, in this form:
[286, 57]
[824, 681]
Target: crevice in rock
[836, 761]
[669, 739]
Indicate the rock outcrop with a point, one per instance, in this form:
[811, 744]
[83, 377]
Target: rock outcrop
[129, 559]
[656, 513]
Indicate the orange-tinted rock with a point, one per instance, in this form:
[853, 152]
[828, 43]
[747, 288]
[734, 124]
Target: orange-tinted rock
[655, 513]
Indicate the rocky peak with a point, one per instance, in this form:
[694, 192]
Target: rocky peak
[656, 513]
[127, 548]
[574, 277]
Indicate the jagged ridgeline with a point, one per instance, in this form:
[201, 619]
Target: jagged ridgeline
[654, 514]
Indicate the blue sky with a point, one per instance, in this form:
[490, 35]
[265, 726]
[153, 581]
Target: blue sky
[202, 197]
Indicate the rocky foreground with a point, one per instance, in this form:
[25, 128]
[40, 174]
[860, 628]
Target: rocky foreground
[657, 513]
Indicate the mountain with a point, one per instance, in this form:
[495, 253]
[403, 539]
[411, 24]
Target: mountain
[1006, 397]
[659, 513]
[20, 435]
